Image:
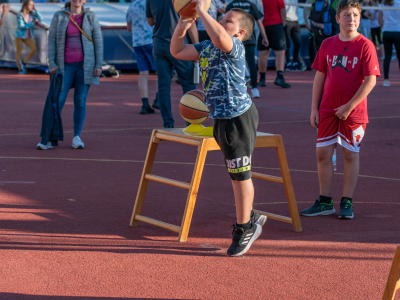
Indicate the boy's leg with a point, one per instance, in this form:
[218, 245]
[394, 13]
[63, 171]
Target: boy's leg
[353, 134]
[351, 170]
[327, 138]
[144, 66]
[244, 196]
[262, 59]
[325, 169]
[236, 138]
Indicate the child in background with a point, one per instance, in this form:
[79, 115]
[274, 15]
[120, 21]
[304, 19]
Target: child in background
[235, 116]
[26, 19]
[347, 67]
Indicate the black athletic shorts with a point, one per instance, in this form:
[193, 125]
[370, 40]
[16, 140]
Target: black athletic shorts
[276, 38]
[236, 137]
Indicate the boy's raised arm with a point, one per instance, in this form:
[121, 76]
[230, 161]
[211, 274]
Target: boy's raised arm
[220, 38]
[178, 48]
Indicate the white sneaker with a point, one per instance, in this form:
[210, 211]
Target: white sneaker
[386, 82]
[77, 143]
[255, 93]
[44, 147]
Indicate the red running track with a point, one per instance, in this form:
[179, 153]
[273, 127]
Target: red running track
[64, 213]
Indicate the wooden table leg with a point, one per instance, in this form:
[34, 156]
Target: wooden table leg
[148, 165]
[287, 182]
[393, 282]
[194, 188]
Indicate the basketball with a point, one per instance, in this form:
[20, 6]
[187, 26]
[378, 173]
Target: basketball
[187, 8]
[193, 108]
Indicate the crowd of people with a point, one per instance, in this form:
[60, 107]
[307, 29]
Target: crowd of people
[165, 42]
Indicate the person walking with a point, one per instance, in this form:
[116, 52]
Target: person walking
[26, 19]
[215, 7]
[389, 21]
[75, 48]
[292, 30]
[142, 35]
[162, 15]
[274, 22]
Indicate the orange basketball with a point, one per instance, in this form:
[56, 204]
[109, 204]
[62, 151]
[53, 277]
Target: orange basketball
[187, 8]
[193, 108]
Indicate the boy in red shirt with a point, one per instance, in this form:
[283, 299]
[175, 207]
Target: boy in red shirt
[347, 67]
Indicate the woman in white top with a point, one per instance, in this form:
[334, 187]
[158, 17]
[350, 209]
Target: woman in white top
[390, 23]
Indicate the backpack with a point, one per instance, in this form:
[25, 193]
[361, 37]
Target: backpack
[322, 18]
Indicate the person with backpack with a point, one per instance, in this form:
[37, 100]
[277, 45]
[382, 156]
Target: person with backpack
[322, 21]
[75, 48]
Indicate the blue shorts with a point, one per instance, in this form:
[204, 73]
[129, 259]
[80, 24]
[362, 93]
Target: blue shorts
[144, 58]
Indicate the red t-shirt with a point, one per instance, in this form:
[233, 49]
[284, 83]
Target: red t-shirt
[272, 15]
[345, 65]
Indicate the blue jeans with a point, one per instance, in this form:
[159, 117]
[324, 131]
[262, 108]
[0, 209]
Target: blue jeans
[164, 63]
[74, 73]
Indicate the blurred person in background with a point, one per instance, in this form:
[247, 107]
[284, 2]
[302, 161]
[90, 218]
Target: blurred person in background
[390, 23]
[142, 39]
[306, 16]
[215, 7]
[4, 9]
[376, 30]
[274, 24]
[75, 48]
[26, 19]
[366, 18]
[250, 44]
[292, 30]
[163, 16]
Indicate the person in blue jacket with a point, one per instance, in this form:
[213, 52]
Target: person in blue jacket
[26, 19]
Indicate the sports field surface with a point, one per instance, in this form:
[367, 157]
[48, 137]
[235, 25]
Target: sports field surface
[64, 213]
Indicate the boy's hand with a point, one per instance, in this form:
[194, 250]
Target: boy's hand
[185, 24]
[265, 42]
[314, 118]
[200, 4]
[343, 111]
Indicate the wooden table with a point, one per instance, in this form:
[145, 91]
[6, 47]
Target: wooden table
[205, 144]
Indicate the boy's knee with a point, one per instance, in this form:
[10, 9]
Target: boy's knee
[324, 154]
[350, 156]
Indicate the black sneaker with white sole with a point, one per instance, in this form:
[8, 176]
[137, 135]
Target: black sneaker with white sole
[257, 218]
[243, 239]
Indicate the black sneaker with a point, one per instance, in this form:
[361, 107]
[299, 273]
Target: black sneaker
[146, 110]
[346, 210]
[319, 209]
[257, 218]
[243, 239]
[281, 82]
[156, 105]
[288, 66]
[261, 82]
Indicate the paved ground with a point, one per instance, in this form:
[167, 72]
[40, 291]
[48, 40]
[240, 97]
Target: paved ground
[64, 213]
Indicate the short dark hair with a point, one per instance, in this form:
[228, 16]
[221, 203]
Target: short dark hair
[345, 4]
[246, 22]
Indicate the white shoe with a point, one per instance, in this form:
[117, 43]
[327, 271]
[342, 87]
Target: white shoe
[255, 93]
[44, 147]
[386, 82]
[77, 143]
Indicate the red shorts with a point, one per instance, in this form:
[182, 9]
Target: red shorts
[332, 130]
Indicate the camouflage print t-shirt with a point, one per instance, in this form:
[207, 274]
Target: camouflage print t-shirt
[223, 73]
